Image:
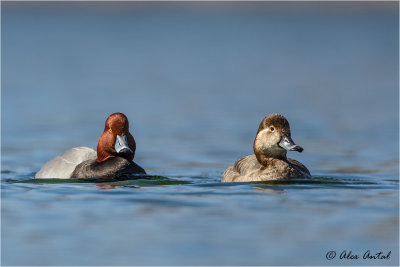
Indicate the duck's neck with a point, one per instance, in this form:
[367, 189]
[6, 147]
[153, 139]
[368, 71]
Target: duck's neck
[266, 155]
[266, 160]
[104, 146]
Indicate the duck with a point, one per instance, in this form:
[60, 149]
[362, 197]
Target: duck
[269, 161]
[113, 158]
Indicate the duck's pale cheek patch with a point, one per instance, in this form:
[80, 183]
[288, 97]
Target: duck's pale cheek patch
[262, 140]
[266, 138]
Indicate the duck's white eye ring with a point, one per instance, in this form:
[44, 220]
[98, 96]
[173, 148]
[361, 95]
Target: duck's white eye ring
[272, 129]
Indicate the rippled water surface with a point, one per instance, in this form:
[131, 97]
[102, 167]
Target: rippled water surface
[195, 80]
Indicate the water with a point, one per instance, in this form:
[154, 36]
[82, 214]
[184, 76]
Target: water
[195, 80]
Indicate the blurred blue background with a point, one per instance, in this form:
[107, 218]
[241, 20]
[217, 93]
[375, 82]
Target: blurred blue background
[195, 80]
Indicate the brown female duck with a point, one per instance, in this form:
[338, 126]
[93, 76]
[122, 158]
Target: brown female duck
[269, 161]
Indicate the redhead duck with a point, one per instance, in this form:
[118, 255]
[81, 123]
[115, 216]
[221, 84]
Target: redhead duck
[114, 156]
[269, 161]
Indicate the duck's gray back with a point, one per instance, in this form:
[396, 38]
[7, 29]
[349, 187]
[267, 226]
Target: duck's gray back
[241, 167]
[62, 166]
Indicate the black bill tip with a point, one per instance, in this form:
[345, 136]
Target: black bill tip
[125, 151]
[297, 148]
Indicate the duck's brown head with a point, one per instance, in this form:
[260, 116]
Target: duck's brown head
[116, 140]
[273, 139]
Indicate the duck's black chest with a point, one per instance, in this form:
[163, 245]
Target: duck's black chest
[111, 168]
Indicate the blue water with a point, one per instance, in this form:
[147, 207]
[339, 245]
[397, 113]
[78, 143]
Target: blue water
[195, 80]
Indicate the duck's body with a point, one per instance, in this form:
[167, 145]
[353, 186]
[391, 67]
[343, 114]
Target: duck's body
[269, 161]
[113, 158]
[249, 169]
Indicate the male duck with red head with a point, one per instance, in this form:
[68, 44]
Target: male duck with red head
[269, 161]
[114, 157]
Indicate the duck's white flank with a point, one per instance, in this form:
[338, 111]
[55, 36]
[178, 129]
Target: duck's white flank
[62, 166]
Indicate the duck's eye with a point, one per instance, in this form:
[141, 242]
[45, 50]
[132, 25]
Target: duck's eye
[272, 129]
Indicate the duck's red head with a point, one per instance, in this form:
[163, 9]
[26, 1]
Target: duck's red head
[116, 140]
